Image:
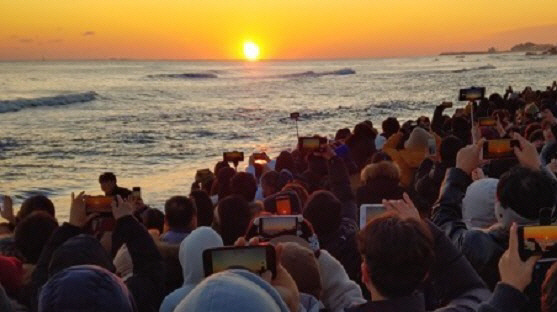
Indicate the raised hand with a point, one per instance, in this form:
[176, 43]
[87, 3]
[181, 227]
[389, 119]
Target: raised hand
[78, 214]
[468, 158]
[7, 211]
[121, 208]
[405, 207]
[527, 154]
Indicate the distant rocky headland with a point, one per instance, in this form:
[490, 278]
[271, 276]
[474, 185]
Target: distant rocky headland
[528, 47]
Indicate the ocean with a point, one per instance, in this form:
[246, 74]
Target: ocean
[154, 123]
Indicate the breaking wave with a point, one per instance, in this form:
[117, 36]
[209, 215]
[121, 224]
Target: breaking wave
[63, 99]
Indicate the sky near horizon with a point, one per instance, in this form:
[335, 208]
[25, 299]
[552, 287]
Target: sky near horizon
[283, 29]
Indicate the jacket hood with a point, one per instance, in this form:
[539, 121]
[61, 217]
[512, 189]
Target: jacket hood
[478, 205]
[413, 156]
[79, 250]
[85, 288]
[231, 291]
[191, 250]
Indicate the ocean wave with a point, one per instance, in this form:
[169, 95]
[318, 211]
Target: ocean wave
[312, 74]
[63, 99]
[462, 70]
[184, 76]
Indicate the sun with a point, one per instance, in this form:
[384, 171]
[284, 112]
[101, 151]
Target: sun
[251, 51]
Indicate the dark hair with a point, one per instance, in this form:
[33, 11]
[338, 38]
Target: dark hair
[234, 218]
[536, 135]
[35, 203]
[342, 134]
[244, 184]
[271, 178]
[32, 233]
[531, 128]
[300, 191]
[549, 290]
[379, 157]
[285, 161]
[390, 126]
[323, 210]
[526, 191]
[204, 207]
[398, 254]
[179, 212]
[461, 128]
[222, 183]
[153, 219]
[219, 165]
[107, 177]
[449, 148]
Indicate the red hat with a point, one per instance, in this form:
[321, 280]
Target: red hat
[11, 274]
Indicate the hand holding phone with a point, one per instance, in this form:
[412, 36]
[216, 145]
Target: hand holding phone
[500, 148]
[447, 104]
[235, 157]
[369, 212]
[515, 267]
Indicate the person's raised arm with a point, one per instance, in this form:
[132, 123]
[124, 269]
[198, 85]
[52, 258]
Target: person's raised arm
[147, 281]
[447, 212]
[437, 120]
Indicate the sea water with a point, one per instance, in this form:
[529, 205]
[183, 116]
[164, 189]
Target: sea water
[155, 123]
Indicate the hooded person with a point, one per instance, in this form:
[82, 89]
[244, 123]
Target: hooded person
[233, 291]
[85, 288]
[411, 156]
[79, 250]
[191, 259]
[478, 205]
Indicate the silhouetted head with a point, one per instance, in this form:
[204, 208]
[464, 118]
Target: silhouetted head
[390, 126]
[107, 181]
[450, 146]
[35, 203]
[323, 210]
[232, 218]
[32, 233]
[204, 207]
[180, 213]
[244, 184]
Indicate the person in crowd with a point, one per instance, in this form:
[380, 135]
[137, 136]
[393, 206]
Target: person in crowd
[285, 161]
[31, 234]
[478, 204]
[300, 190]
[180, 216]
[153, 220]
[244, 184]
[522, 194]
[431, 172]
[389, 126]
[269, 183]
[191, 260]
[204, 207]
[333, 215]
[409, 158]
[69, 247]
[221, 186]
[379, 181]
[109, 186]
[410, 265]
[232, 217]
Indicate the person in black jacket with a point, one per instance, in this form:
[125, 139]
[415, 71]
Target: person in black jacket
[522, 193]
[410, 265]
[68, 247]
[108, 184]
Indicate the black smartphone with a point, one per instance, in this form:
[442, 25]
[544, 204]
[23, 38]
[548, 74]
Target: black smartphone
[233, 156]
[295, 115]
[259, 156]
[256, 259]
[471, 94]
[500, 148]
[273, 226]
[537, 240]
[203, 175]
[311, 144]
[136, 192]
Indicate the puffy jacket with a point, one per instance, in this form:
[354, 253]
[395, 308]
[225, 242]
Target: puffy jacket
[482, 249]
[408, 160]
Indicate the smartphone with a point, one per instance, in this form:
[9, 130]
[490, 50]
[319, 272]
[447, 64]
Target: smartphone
[283, 204]
[203, 175]
[500, 148]
[295, 115]
[447, 104]
[370, 211]
[233, 156]
[260, 156]
[471, 94]
[136, 192]
[311, 144]
[487, 122]
[537, 240]
[273, 226]
[431, 147]
[256, 259]
[98, 204]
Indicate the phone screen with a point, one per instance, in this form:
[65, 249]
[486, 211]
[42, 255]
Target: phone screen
[487, 122]
[233, 156]
[370, 211]
[271, 226]
[283, 205]
[539, 238]
[256, 259]
[98, 204]
[471, 94]
[310, 144]
[499, 149]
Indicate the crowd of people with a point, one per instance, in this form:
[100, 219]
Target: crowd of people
[447, 240]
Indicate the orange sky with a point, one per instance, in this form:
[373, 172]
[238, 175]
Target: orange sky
[284, 29]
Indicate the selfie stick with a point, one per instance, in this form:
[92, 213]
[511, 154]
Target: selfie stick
[297, 134]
